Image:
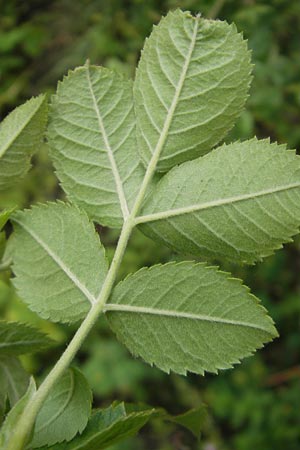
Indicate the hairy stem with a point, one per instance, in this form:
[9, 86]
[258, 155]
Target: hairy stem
[27, 420]
[23, 428]
[25, 424]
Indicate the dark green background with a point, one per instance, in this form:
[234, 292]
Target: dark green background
[256, 405]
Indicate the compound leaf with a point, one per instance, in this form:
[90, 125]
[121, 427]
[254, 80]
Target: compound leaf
[107, 427]
[241, 202]
[21, 133]
[17, 338]
[59, 261]
[92, 135]
[188, 317]
[65, 412]
[191, 85]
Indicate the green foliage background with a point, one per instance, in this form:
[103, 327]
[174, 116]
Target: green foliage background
[256, 405]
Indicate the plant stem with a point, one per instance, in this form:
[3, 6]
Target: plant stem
[26, 422]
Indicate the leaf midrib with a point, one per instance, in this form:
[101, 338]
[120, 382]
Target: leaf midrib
[179, 315]
[115, 171]
[164, 133]
[213, 204]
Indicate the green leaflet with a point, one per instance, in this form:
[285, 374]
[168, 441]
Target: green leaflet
[8, 428]
[188, 317]
[4, 216]
[92, 135]
[191, 85]
[241, 202]
[107, 427]
[120, 421]
[65, 412]
[17, 338]
[13, 379]
[59, 261]
[193, 420]
[21, 133]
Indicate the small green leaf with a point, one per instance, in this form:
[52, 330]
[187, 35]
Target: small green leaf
[14, 415]
[191, 85]
[59, 261]
[21, 133]
[188, 317]
[240, 202]
[192, 420]
[4, 216]
[65, 412]
[107, 427]
[92, 136]
[13, 379]
[17, 338]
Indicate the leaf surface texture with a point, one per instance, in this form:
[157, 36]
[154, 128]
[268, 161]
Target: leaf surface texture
[92, 135]
[188, 317]
[65, 412]
[21, 134]
[240, 202]
[191, 85]
[59, 261]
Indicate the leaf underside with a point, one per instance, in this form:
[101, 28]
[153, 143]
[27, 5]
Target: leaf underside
[191, 85]
[92, 136]
[188, 317]
[59, 261]
[107, 427]
[240, 202]
[65, 412]
[21, 133]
